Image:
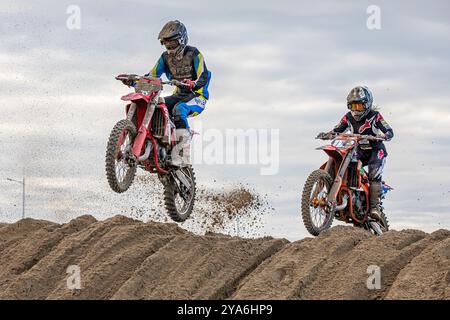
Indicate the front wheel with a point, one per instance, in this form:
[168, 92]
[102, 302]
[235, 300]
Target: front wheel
[379, 227]
[120, 166]
[179, 199]
[316, 212]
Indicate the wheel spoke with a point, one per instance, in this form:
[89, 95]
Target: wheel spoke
[121, 167]
[318, 213]
[183, 204]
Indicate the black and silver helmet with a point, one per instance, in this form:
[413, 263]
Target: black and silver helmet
[174, 36]
[359, 101]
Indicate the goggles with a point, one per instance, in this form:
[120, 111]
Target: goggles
[170, 44]
[357, 106]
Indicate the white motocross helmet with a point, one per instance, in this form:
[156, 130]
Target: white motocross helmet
[360, 95]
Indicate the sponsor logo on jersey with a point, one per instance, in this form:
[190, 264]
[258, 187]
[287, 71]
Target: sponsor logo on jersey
[366, 125]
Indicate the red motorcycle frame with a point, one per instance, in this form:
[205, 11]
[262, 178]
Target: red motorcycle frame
[144, 103]
[146, 139]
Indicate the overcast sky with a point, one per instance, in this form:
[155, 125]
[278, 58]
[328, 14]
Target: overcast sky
[284, 65]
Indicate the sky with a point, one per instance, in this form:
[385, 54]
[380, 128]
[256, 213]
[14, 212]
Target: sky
[285, 66]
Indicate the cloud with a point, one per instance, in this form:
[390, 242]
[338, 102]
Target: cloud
[286, 66]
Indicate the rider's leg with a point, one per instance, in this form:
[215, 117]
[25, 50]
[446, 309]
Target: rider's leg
[181, 111]
[170, 102]
[376, 166]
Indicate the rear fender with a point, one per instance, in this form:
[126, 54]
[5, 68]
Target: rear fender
[386, 188]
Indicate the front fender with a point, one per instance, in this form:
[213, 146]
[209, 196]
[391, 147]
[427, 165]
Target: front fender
[135, 96]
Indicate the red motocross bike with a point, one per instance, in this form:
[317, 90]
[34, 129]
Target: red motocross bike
[340, 188]
[145, 139]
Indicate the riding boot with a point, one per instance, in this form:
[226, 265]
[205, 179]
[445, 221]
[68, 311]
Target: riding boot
[375, 200]
[181, 152]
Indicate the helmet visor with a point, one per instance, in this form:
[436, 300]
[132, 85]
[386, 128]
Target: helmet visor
[357, 106]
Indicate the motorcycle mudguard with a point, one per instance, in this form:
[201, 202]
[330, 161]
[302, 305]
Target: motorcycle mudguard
[386, 188]
[141, 107]
[135, 96]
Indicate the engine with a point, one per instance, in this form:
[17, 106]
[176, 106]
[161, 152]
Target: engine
[359, 203]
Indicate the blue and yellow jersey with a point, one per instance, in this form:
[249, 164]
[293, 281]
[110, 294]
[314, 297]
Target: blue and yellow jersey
[191, 66]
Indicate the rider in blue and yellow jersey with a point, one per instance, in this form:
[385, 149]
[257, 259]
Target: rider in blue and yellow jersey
[187, 65]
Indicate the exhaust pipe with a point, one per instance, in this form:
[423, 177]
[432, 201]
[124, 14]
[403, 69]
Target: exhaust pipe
[343, 205]
[148, 149]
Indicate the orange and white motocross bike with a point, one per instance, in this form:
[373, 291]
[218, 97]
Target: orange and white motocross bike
[340, 189]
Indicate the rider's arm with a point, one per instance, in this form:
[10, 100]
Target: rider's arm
[201, 71]
[384, 127]
[342, 126]
[159, 68]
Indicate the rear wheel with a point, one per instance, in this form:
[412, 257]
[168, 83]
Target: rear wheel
[179, 199]
[120, 166]
[315, 210]
[384, 223]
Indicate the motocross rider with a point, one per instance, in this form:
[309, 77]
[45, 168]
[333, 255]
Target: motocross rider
[363, 119]
[187, 65]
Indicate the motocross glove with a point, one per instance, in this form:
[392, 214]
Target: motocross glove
[128, 82]
[326, 135]
[384, 136]
[189, 83]
[388, 135]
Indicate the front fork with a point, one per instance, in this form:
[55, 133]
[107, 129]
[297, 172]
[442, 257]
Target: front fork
[131, 111]
[332, 196]
[130, 114]
[139, 142]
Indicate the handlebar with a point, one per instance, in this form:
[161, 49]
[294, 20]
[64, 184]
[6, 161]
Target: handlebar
[343, 136]
[175, 83]
[134, 77]
[122, 77]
